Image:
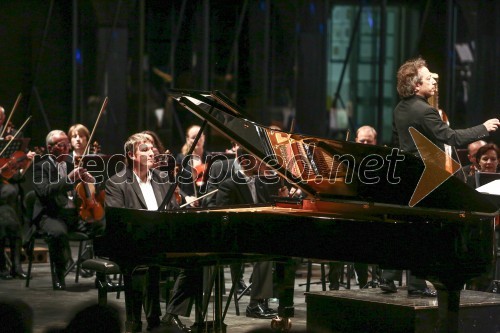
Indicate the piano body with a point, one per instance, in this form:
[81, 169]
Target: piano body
[354, 208]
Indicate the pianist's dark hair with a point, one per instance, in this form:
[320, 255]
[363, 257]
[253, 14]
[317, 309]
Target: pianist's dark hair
[131, 144]
[408, 76]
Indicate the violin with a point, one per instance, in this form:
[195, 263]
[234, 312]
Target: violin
[166, 162]
[199, 172]
[9, 167]
[17, 161]
[92, 207]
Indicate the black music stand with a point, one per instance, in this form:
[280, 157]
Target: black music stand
[483, 178]
[14, 145]
[488, 183]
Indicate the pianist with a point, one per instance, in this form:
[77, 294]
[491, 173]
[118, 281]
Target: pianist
[140, 187]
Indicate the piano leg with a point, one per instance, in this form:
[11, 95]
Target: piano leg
[448, 307]
[133, 303]
[285, 280]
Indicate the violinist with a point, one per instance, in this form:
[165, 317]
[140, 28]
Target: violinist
[9, 130]
[54, 178]
[11, 175]
[192, 166]
[472, 148]
[10, 230]
[79, 136]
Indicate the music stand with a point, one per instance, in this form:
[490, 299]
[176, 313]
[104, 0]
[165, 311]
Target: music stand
[14, 145]
[483, 178]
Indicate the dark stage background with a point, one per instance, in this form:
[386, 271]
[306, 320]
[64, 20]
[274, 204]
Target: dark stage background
[65, 56]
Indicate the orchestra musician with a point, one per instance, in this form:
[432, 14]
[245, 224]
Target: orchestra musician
[364, 135]
[10, 130]
[141, 186]
[415, 85]
[79, 136]
[55, 177]
[192, 166]
[487, 161]
[158, 147]
[11, 194]
[487, 158]
[472, 148]
[245, 187]
[10, 230]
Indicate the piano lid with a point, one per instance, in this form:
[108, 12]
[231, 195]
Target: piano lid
[332, 170]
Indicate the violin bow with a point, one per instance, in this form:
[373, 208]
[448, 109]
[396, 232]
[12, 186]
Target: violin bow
[103, 107]
[11, 113]
[18, 131]
[198, 198]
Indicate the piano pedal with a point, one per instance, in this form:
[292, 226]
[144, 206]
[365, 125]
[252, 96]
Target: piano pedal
[281, 324]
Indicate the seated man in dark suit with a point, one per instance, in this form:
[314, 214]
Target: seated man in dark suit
[244, 187]
[54, 178]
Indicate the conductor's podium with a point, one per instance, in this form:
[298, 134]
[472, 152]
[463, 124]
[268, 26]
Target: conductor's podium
[370, 310]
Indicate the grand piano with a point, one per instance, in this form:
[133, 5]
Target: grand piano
[354, 207]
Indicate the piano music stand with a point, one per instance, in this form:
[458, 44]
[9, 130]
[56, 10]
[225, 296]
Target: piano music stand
[14, 145]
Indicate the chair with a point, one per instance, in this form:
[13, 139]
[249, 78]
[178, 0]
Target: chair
[322, 280]
[347, 270]
[33, 232]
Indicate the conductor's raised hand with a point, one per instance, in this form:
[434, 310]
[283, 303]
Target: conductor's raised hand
[492, 124]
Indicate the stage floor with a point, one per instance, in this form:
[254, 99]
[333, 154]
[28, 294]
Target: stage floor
[55, 308]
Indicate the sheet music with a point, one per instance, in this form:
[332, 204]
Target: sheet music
[490, 188]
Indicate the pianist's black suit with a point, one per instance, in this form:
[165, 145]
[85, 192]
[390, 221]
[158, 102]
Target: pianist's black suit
[122, 190]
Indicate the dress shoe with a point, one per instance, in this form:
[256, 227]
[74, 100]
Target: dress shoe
[388, 286]
[18, 273]
[422, 293]
[59, 286]
[260, 311]
[174, 321]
